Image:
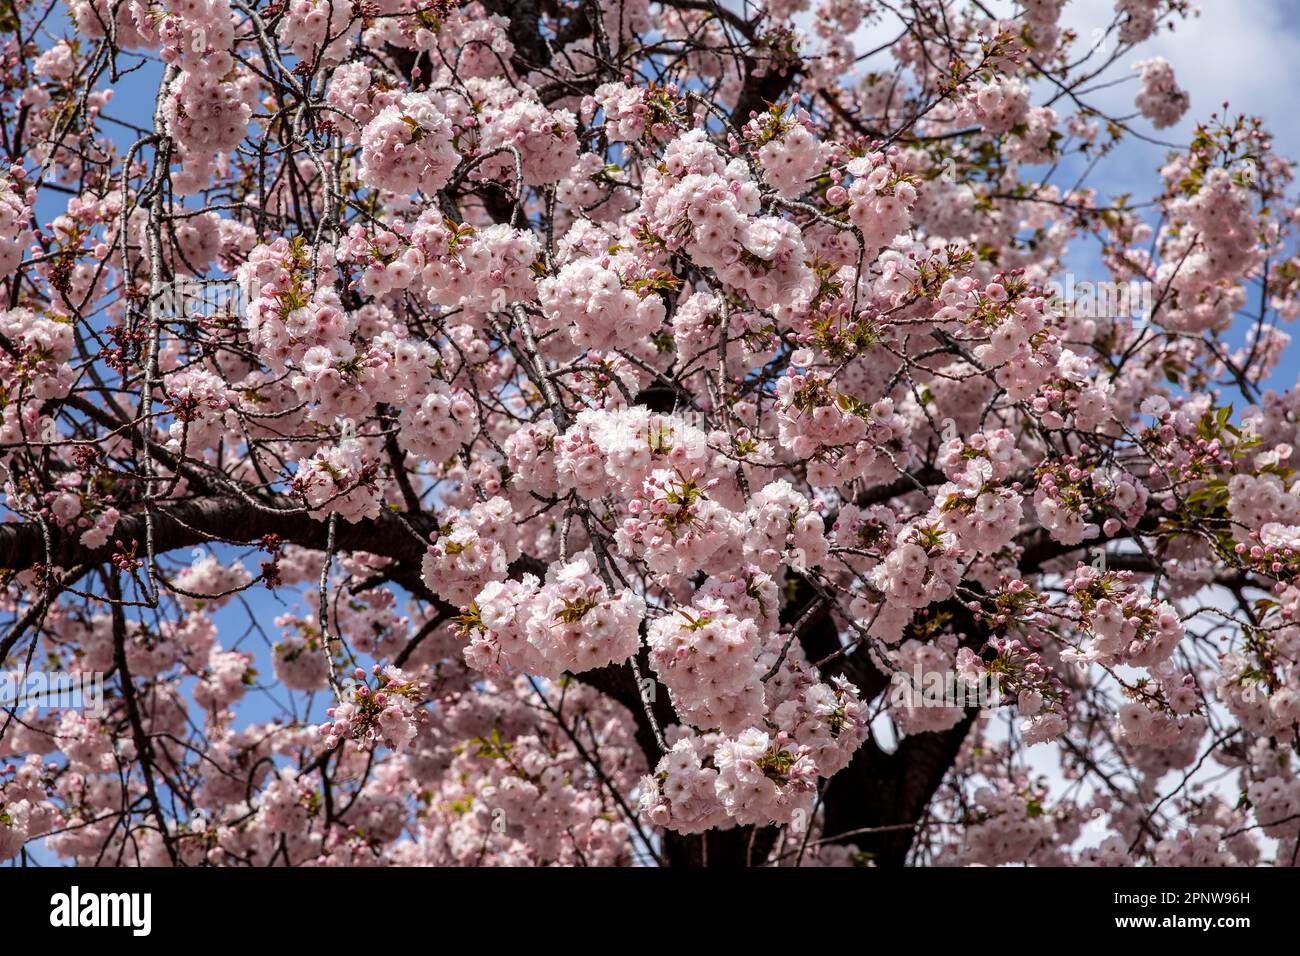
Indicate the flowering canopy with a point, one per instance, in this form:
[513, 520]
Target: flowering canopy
[619, 403]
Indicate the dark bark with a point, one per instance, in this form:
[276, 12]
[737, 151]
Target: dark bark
[618, 682]
[889, 792]
[197, 521]
[525, 32]
[759, 91]
[720, 849]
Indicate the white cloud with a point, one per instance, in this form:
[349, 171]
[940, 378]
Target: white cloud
[1241, 51]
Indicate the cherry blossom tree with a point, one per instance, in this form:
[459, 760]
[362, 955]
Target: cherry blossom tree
[555, 432]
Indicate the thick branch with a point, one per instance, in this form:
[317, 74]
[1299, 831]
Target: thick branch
[197, 521]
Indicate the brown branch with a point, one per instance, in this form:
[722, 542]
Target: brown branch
[200, 520]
